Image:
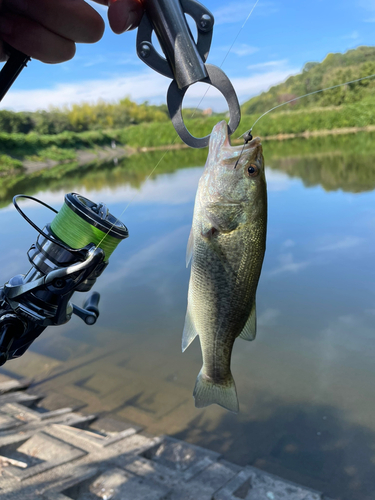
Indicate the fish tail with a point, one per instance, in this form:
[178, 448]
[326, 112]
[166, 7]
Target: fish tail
[206, 392]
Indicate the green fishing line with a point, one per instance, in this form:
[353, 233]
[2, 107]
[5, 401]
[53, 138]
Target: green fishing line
[76, 232]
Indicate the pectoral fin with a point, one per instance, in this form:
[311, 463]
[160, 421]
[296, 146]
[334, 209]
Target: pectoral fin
[250, 329]
[224, 217]
[189, 332]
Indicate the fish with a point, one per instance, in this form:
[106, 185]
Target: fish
[226, 249]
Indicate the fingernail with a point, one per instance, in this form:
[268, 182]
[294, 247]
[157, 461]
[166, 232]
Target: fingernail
[6, 25]
[132, 19]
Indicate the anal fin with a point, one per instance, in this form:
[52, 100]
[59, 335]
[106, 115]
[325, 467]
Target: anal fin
[250, 329]
[189, 332]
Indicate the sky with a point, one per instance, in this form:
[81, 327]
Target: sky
[276, 41]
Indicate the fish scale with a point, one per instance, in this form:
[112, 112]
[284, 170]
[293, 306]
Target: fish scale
[226, 246]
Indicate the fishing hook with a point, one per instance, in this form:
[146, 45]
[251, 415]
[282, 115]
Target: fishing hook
[247, 137]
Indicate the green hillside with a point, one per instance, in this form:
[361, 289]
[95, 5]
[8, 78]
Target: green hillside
[335, 69]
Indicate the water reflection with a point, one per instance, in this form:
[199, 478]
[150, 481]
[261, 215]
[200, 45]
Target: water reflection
[337, 162]
[305, 385]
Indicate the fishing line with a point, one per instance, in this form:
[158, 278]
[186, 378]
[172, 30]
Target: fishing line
[227, 54]
[80, 222]
[247, 135]
[300, 97]
[192, 116]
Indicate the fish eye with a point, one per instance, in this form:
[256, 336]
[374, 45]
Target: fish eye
[252, 170]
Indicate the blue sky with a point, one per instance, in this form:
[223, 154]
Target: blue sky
[277, 40]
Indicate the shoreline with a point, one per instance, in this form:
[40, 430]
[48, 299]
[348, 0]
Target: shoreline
[108, 153]
[83, 157]
[277, 137]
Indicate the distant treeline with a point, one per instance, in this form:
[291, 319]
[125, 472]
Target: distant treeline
[82, 117]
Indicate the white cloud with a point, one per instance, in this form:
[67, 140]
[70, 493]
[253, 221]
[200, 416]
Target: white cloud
[278, 181]
[352, 36]
[114, 59]
[137, 85]
[232, 13]
[368, 5]
[237, 12]
[268, 317]
[137, 262]
[252, 85]
[242, 49]
[347, 242]
[288, 264]
[281, 63]
[165, 189]
[288, 244]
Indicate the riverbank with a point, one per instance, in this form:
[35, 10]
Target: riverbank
[83, 157]
[108, 154]
[33, 151]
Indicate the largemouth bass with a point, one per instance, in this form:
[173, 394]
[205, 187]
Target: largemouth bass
[226, 247]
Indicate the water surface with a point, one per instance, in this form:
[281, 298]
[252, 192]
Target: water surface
[305, 385]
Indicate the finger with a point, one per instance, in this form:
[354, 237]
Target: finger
[34, 40]
[124, 15]
[71, 19]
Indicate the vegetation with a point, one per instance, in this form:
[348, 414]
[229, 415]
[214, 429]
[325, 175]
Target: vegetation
[8, 164]
[336, 162]
[334, 70]
[82, 117]
[61, 147]
[57, 134]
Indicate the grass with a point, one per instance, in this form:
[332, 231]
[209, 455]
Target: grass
[15, 148]
[9, 164]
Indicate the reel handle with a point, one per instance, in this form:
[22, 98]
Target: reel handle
[90, 311]
[91, 304]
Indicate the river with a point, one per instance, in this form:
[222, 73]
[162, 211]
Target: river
[305, 385]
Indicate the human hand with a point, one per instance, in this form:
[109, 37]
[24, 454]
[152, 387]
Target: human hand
[123, 15]
[48, 29]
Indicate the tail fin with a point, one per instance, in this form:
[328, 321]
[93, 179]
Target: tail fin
[206, 393]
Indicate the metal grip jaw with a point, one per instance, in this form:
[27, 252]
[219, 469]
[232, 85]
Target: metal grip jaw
[185, 59]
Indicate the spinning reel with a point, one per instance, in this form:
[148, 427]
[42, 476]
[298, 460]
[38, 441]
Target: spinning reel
[69, 255]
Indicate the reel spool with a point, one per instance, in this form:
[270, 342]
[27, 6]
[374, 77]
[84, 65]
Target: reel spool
[80, 222]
